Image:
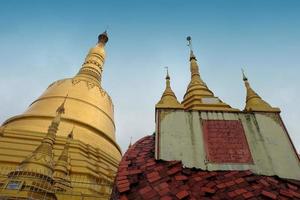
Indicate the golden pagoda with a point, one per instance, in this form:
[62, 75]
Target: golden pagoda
[83, 166]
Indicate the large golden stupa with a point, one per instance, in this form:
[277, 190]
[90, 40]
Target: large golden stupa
[88, 161]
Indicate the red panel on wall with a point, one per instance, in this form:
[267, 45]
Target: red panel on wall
[225, 142]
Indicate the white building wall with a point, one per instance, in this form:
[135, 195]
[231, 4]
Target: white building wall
[179, 136]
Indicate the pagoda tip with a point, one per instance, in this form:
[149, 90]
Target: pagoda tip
[70, 136]
[167, 76]
[189, 39]
[244, 76]
[61, 108]
[103, 37]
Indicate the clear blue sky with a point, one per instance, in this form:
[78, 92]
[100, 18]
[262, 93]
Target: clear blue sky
[43, 41]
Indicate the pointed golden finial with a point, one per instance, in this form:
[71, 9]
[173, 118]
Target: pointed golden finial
[68, 141]
[167, 76]
[253, 101]
[198, 96]
[244, 76]
[189, 39]
[61, 108]
[168, 99]
[59, 111]
[168, 84]
[195, 75]
[103, 37]
[61, 172]
[192, 56]
[93, 65]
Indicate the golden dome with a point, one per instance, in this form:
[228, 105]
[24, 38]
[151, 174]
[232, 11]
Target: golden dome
[89, 107]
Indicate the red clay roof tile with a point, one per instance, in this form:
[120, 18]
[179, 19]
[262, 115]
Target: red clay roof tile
[182, 194]
[140, 176]
[269, 194]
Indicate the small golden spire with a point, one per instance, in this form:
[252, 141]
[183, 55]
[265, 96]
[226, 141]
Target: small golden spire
[168, 84]
[253, 101]
[42, 157]
[198, 96]
[195, 75]
[168, 99]
[64, 155]
[61, 172]
[93, 65]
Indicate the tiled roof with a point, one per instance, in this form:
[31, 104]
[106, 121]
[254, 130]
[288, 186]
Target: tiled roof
[141, 177]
